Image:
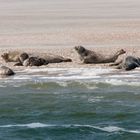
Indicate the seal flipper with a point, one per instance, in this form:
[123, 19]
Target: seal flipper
[116, 63]
[67, 60]
[18, 64]
[131, 66]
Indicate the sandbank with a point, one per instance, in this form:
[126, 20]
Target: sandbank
[69, 53]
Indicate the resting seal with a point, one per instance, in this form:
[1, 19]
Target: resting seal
[50, 58]
[31, 61]
[34, 60]
[127, 63]
[23, 59]
[5, 71]
[14, 56]
[88, 56]
[44, 60]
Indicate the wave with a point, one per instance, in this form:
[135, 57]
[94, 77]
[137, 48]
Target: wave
[119, 82]
[109, 129]
[66, 73]
[94, 71]
[91, 84]
[91, 78]
[95, 99]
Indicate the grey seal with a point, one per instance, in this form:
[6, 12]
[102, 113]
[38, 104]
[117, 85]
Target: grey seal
[14, 56]
[88, 56]
[5, 71]
[38, 60]
[128, 63]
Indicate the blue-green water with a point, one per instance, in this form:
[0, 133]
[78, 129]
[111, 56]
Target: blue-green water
[70, 104]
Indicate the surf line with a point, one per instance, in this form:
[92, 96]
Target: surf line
[109, 129]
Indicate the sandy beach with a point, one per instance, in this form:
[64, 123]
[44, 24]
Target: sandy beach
[57, 26]
[70, 53]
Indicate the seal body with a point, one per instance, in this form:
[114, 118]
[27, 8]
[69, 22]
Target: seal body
[32, 59]
[55, 58]
[88, 56]
[5, 71]
[128, 63]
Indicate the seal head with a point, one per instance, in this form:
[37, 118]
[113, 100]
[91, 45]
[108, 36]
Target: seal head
[35, 61]
[5, 71]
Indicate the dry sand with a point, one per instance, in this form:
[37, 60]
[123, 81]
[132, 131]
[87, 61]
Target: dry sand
[66, 23]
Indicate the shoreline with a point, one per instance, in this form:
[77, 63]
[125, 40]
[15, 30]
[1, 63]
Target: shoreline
[69, 53]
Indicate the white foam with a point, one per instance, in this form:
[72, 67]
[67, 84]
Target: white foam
[112, 129]
[63, 84]
[62, 73]
[84, 75]
[88, 86]
[37, 125]
[32, 70]
[119, 82]
[69, 78]
[22, 77]
[108, 129]
[96, 74]
[122, 76]
[117, 129]
[95, 99]
[31, 125]
[70, 71]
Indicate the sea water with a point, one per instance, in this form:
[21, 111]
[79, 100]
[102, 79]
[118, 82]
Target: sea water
[70, 104]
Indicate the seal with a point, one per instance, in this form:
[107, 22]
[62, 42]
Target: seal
[55, 58]
[23, 59]
[14, 56]
[31, 61]
[34, 61]
[44, 59]
[128, 63]
[89, 57]
[5, 71]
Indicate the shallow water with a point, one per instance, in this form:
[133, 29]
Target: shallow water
[70, 103]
